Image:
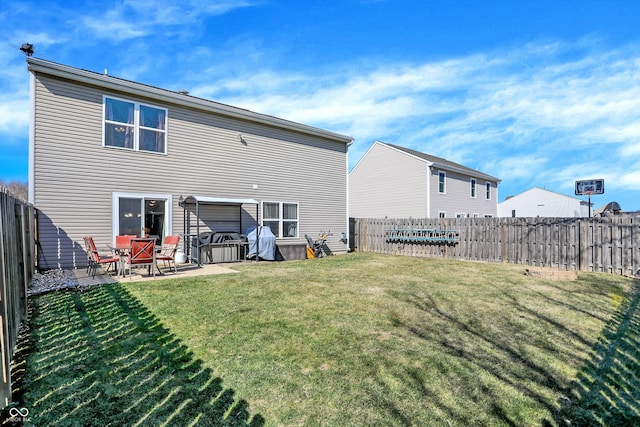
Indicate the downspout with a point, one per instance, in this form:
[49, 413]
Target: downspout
[348, 230]
[428, 190]
[32, 137]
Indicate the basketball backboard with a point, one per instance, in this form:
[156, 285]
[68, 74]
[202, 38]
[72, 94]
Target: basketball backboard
[589, 187]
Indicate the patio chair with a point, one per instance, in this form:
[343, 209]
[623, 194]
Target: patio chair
[95, 259]
[168, 251]
[142, 252]
[87, 248]
[123, 242]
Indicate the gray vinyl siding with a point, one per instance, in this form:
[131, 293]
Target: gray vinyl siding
[75, 176]
[457, 198]
[388, 183]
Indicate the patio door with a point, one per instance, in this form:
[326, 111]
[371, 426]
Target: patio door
[141, 215]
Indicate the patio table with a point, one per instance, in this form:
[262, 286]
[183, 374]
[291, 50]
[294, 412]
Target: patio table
[121, 248]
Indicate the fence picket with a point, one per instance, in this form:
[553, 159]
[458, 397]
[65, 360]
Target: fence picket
[588, 244]
[17, 266]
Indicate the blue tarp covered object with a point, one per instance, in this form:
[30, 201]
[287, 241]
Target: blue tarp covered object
[264, 244]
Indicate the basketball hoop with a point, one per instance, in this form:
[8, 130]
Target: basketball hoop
[588, 187]
[588, 193]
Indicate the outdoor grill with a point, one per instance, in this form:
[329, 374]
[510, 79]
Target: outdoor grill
[218, 246]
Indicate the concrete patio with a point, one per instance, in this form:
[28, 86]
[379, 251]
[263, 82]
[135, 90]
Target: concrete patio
[184, 270]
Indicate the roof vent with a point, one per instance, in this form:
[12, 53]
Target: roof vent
[183, 92]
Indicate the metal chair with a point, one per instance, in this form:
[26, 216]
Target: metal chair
[142, 252]
[168, 251]
[95, 259]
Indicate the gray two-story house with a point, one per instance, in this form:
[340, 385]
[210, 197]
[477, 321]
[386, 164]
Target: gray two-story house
[110, 156]
[391, 181]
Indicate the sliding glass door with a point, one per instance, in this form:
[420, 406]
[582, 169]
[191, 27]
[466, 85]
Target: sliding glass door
[142, 215]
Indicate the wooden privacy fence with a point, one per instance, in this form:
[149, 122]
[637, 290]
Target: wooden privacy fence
[17, 265]
[609, 244]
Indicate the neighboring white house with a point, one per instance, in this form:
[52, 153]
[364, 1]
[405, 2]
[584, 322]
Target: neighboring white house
[396, 182]
[110, 156]
[541, 202]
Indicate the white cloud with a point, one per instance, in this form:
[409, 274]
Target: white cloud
[543, 112]
[569, 113]
[113, 27]
[14, 96]
[630, 180]
[134, 19]
[14, 116]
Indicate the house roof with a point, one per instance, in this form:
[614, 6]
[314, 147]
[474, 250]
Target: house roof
[180, 98]
[439, 162]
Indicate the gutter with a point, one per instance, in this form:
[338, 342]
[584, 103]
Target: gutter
[468, 172]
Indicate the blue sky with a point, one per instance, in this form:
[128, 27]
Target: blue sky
[535, 92]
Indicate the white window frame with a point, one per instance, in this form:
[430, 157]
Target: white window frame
[488, 190]
[442, 214]
[137, 127]
[462, 215]
[115, 209]
[472, 183]
[281, 220]
[442, 174]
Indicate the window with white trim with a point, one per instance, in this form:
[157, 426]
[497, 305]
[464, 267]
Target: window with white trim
[281, 218]
[473, 188]
[442, 214]
[134, 126]
[442, 176]
[488, 185]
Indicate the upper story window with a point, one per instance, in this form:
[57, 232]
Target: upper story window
[281, 218]
[473, 188]
[488, 185]
[441, 182]
[134, 126]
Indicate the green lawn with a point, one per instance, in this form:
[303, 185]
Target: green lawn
[358, 340]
